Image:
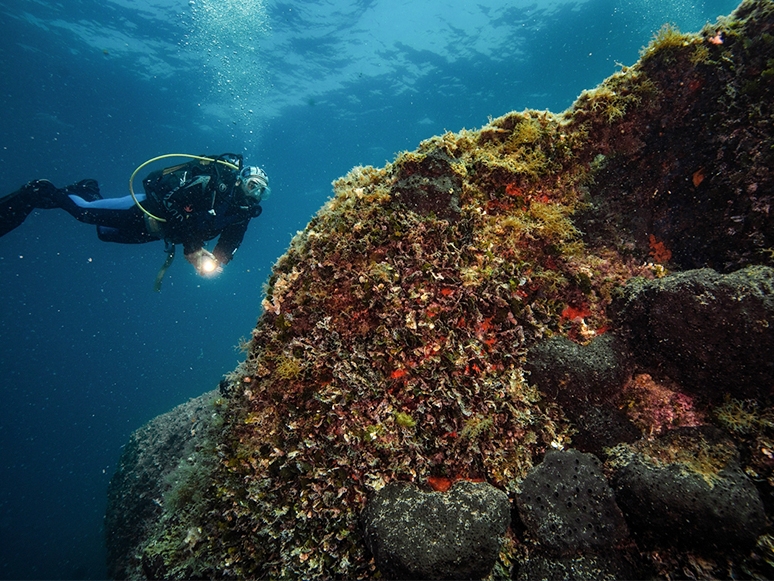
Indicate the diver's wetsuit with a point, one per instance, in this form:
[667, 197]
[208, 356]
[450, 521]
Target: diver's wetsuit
[117, 219]
[198, 202]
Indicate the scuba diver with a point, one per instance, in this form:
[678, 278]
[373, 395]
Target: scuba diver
[189, 204]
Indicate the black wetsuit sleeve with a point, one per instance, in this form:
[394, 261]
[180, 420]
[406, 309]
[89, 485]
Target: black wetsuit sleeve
[229, 241]
[191, 246]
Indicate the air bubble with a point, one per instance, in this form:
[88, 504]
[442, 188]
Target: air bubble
[226, 35]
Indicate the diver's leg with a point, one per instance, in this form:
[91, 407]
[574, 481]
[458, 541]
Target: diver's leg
[117, 219]
[87, 189]
[112, 212]
[81, 200]
[16, 206]
[131, 233]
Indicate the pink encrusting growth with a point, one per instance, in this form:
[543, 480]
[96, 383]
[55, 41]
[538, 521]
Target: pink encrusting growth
[656, 407]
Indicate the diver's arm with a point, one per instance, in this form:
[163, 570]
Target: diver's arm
[229, 241]
[202, 260]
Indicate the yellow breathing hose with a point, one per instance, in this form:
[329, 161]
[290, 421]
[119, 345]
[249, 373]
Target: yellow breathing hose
[165, 156]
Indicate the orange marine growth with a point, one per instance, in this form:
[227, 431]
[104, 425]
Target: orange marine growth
[658, 250]
[439, 483]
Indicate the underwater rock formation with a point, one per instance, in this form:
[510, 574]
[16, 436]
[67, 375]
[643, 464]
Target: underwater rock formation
[397, 329]
[578, 377]
[686, 489]
[157, 470]
[708, 331]
[568, 506]
[432, 535]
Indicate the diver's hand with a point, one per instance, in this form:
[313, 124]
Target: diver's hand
[204, 262]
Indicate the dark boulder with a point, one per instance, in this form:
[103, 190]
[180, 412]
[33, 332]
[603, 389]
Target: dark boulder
[578, 377]
[712, 333]
[567, 505]
[432, 535]
[686, 489]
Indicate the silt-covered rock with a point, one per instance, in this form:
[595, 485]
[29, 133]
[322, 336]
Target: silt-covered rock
[713, 333]
[686, 489]
[433, 535]
[567, 505]
[608, 567]
[578, 377]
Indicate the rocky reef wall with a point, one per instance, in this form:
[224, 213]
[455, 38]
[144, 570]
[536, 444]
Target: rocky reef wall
[490, 297]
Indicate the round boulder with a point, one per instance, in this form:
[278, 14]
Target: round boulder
[567, 505]
[578, 377]
[456, 534]
[686, 489]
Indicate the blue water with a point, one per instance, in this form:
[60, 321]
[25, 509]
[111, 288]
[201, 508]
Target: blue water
[93, 88]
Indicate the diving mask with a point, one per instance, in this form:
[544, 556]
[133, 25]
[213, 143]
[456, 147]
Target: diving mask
[254, 183]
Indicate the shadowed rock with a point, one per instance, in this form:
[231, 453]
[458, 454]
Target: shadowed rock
[432, 535]
[713, 333]
[568, 506]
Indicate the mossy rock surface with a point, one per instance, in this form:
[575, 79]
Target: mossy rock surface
[396, 328]
[416, 534]
[147, 474]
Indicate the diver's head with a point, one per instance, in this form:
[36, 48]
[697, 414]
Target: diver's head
[253, 183]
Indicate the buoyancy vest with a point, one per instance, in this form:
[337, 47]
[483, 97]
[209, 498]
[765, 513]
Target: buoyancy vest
[196, 198]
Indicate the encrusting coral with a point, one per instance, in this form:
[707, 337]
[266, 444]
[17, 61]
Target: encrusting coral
[395, 328]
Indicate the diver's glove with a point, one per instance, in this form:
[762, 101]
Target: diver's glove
[204, 262]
